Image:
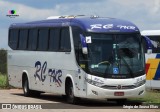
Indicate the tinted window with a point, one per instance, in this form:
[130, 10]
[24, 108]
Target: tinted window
[54, 39]
[76, 31]
[32, 42]
[65, 40]
[156, 43]
[76, 36]
[23, 35]
[43, 40]
[13, 38]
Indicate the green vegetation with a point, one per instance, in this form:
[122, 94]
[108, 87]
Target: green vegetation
[3, 61]
[151, 97]
[3, 69]
[3, 81]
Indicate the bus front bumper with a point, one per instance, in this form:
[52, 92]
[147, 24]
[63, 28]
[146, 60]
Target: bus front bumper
[94, 92]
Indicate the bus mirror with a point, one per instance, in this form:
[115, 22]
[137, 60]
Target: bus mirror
[149, 51]
[84, 45]
[149, 44]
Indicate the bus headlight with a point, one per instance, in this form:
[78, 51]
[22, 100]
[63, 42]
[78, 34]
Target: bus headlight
[95, 83]
[140, 83]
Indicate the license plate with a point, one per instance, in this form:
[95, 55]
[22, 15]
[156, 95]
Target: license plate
[118, 93]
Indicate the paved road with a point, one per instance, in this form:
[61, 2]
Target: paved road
[57, 103]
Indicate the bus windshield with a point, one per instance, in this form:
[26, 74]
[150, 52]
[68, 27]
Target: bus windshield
[115, 56]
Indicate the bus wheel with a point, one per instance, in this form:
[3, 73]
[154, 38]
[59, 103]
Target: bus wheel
[70, 94]
[26, 90]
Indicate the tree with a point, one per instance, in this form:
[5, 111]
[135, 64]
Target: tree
[3, 61]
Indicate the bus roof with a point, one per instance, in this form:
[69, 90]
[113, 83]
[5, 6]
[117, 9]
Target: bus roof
[150, 32]
[90, 24]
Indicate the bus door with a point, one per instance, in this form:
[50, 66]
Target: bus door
[81, 56]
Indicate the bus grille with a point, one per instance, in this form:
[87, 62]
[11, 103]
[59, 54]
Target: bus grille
[117, 87]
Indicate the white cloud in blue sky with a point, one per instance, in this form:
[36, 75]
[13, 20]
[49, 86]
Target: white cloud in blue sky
[145, 14]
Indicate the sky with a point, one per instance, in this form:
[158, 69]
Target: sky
[144, 13]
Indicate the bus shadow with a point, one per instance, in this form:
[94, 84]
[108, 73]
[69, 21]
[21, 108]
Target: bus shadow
[84, 103]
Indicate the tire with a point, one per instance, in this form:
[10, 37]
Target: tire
[70, 94]
[26, 90]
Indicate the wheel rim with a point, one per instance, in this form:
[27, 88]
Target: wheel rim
[25, 87]
[71, 92]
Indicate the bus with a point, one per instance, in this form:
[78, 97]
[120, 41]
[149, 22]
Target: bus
[153, 60]
[77, 57]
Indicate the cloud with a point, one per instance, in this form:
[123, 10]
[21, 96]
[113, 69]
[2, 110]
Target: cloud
[156, 7]
[27, 12]
[49, 3]
[151, 7]
[145, 14]
[124, 9]
[4, 38]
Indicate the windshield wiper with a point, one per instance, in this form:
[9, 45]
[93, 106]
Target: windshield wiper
[127, 65]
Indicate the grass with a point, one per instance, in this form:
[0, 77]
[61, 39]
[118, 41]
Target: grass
[3, 81]
[151, 97]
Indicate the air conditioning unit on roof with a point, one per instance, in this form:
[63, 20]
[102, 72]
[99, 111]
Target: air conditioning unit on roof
[64, 16]
[53, 17]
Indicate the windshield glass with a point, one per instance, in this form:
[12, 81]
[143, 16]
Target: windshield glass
[115, 56]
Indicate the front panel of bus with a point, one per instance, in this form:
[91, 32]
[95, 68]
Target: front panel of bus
[114, 64]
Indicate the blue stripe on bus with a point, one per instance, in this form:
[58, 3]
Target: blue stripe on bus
[157, 75]
[158, 56]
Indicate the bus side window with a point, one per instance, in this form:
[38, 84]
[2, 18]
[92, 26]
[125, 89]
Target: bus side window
[76, 37]
[32, 42]
[80, 57]
[23, 37]
[43, 40]
[65, 44]
[54, 39]
[77, 43]
[13, 38]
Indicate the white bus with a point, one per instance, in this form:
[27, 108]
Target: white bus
[77, 57]
[153, 60]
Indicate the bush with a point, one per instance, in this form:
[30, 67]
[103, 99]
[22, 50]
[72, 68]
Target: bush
[3, 81]
[3, 61]
[3, 69]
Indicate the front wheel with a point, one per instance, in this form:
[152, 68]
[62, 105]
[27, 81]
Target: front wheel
[26, 90]
[70, 94]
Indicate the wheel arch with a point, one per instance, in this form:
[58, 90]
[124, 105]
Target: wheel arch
[70, 78]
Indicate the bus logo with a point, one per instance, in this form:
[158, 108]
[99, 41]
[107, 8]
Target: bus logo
[115, 70]
[12, 14]
[126, 27]
[100, 26]
[119, 87]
